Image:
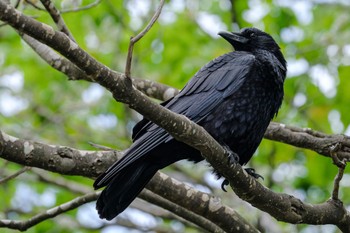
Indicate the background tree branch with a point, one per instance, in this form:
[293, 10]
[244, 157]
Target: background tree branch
[24, 225]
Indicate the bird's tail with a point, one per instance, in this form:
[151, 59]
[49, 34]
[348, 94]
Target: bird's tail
[123, 188]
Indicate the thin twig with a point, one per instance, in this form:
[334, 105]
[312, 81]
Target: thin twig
[91, 5]
[23, 170]
[101, 147]
[32, 3]
[57, 18]
[17, 4]
[341, 164]
[51, 213]
[337, 179]
[134, 40]
[61, 182]
[333, 152]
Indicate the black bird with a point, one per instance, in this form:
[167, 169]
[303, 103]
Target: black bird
[234, 97]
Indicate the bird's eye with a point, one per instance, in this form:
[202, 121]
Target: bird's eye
[252, 35]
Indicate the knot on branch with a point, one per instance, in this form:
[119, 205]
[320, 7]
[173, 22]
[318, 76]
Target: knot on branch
[297, 209]
[65, 152]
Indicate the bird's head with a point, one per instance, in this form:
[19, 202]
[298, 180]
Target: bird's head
[251, 40]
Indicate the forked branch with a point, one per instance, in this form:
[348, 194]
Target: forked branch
[134, 40]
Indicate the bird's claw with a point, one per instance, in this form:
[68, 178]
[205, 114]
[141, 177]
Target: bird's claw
[251, 171]
[224, 183]
[232, 156]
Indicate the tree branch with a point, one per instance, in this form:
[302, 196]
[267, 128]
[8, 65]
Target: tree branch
[134, 40]
[180, 211]
[57, 18]
[6, 179]
[60, 159]
[309, 139]
[61, 182]
[51, 213]
[91, 5]
[145, 194]
[200, 203]
[341, 167]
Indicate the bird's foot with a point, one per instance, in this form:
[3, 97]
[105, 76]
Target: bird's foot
[232, 156]
[224, 183]
[251, 171]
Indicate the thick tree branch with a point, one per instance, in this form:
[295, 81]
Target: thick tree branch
[309, 139]
[60, 159]
[154, 89]
[57, 18]
[185, 213]
[210, 207]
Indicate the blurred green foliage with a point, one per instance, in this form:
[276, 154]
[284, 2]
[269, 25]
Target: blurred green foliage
[312, 35]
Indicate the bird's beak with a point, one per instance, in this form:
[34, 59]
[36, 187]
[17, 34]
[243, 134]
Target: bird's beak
[233, 37]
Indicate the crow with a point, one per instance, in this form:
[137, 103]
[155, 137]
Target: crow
[234, 97]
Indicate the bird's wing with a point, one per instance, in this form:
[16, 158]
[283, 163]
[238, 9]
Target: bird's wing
[213, 83]
[142, 126]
